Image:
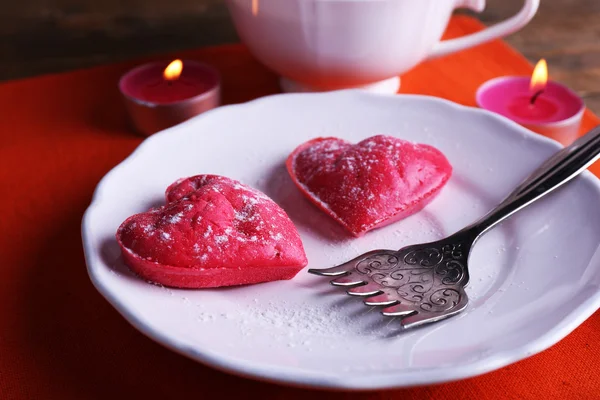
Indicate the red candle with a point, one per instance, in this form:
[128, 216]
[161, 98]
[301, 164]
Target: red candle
[159, 95]
[543, 106]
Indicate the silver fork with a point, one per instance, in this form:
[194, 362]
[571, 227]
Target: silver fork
[425, 283]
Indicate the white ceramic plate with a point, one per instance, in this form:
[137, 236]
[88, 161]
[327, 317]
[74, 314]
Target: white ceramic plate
[533, 279]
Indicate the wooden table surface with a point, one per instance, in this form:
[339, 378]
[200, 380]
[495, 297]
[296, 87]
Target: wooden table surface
[42, 36]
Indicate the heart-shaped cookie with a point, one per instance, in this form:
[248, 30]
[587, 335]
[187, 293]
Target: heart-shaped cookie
[212, 232]
[369, 184]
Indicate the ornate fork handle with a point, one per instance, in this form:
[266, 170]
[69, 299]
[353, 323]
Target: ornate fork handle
[554, 172]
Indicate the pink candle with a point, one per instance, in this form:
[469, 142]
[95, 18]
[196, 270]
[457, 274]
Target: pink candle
[543, 106]
[159, 95]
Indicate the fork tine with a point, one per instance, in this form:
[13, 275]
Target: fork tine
[420, 319]
[367, 290]
[398, 310]
[338, 270]
[349, 280]
[342, 269]
[334, 271]
[381, 300]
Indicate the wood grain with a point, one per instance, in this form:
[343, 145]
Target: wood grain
[43, 36]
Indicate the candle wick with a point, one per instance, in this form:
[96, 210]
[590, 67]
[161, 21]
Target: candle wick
[535, 96]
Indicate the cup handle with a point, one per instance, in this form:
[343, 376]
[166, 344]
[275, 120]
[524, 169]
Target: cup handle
[501, 29]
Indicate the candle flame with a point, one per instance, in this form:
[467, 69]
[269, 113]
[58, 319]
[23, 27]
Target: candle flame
[173, 70]
[539, 76]
[255, 7]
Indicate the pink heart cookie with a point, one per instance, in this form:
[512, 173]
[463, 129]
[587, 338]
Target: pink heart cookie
[212, 232]
[366, 185]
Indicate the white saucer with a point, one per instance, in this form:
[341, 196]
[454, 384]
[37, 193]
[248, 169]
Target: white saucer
[533, 279]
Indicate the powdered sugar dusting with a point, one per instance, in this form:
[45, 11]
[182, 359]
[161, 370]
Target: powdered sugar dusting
[277, 236]
[173, 219]
[309, 319]
[148, 229]
[299, 325]
[220, 239]
[249, 200]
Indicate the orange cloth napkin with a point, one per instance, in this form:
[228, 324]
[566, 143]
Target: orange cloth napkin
[59, 339]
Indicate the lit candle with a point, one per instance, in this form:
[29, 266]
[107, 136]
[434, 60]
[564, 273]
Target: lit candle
[543, 106]
[158, 95]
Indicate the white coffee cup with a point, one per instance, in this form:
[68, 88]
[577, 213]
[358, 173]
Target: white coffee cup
[317, 45]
